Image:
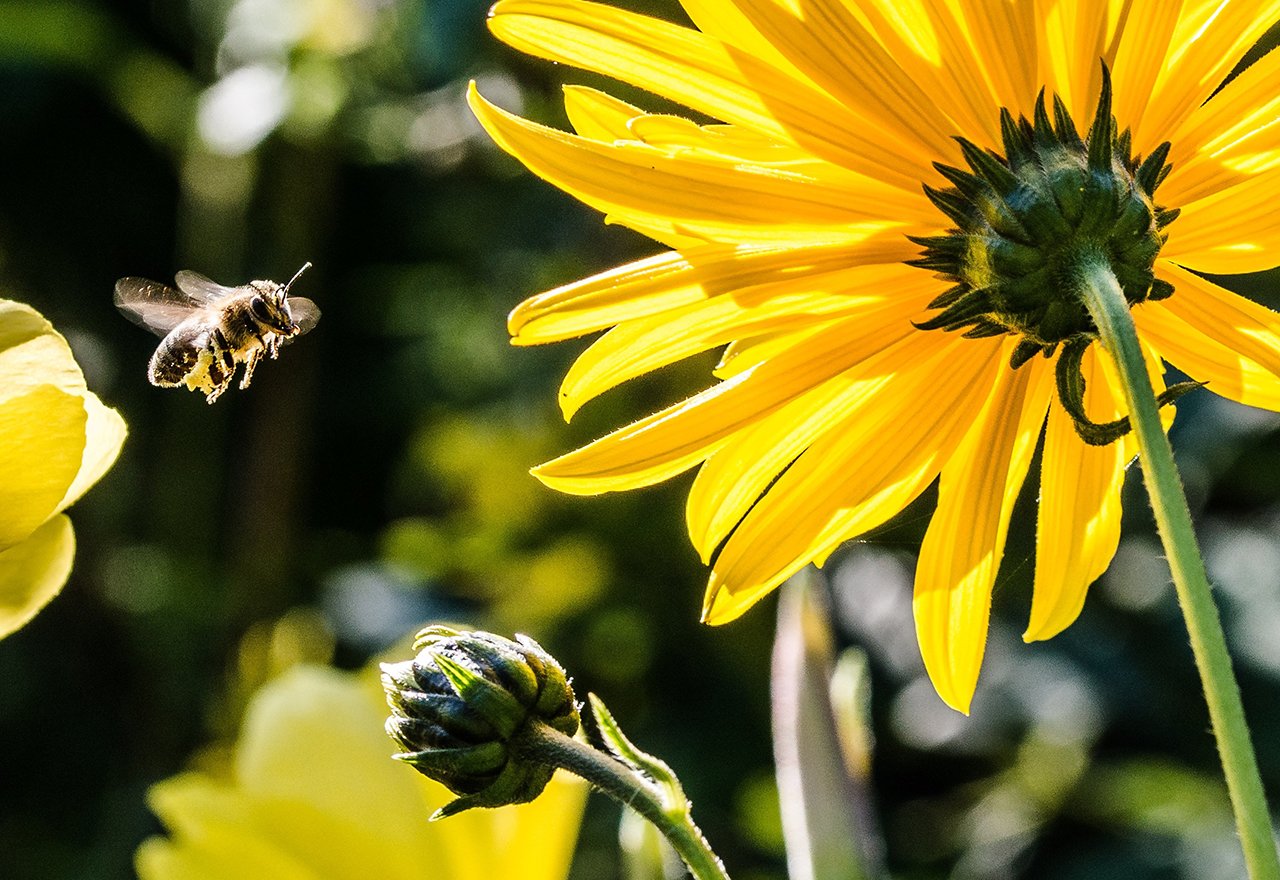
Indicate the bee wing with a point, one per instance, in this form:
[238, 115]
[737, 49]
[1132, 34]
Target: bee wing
[201, 290]
[153, 305]
[305, 313]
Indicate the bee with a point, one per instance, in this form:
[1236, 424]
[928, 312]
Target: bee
[208, 329]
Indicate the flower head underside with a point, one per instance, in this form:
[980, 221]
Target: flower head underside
[847, 137]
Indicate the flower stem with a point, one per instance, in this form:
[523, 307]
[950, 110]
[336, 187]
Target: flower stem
[540, 742]
[1106, 304]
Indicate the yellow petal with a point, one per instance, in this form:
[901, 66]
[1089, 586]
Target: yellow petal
[833, 48]
[218, 834]
[993, 29]
[669, 281]
[642, 346]
[711, 197]
[42, 436]
[1073, 37]
[32, 354]
[1139, 58]
[700, 72]
[105, 431]
[1211, 37]
[723, 20]
[1232, 231]
[1233, 137]
[1245, 327]
[964, 544]
[862, 471]
[317, 736]
[1078, 528]
[675, 439]
[1229, 372]
[33, 572]
[596, 115]
[736, 476]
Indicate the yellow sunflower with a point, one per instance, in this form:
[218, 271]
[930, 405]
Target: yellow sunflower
[876, 174]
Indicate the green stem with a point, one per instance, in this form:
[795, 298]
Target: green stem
[539, 742]
[1107, 305]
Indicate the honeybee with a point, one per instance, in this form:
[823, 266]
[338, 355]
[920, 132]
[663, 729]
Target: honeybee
[208, 329]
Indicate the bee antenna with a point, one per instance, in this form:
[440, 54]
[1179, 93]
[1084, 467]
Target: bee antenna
[296, 276]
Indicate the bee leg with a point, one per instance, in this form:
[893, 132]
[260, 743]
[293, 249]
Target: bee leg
[273, 346]
[250, 362]
[219, 381]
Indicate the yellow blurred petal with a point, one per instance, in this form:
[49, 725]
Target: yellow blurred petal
[1234, 136]
[1229, 372]
[1078, 528]
[641, 346]
[33, 572]
[42, 436]
[1139, 58]
[213, 836]
[32, 354]
[315, 736]
[1232, 231]
[964, 544]
[700, 72]
[1245, 327]
[664, 444]
[707, 196]
[672, 280]
[884, 451]
[532, 841]
[1211, 37]
[833, 48]
[105, 431]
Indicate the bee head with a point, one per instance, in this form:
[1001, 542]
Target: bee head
[270, 304]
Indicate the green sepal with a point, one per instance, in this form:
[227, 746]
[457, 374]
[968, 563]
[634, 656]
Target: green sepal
[491, 701]
[1071, 388]
[485, 758]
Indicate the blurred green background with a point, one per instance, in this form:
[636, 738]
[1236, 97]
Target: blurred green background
[376, 476]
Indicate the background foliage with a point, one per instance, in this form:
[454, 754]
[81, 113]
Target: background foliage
[375, 477]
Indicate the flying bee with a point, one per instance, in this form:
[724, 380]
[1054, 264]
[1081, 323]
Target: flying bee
[208, 329]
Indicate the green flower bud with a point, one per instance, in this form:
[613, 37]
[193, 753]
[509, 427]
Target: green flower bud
[458, 710]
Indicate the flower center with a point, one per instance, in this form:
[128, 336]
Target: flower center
[1024, 221]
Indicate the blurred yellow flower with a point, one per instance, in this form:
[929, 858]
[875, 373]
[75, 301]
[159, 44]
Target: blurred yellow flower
[789, 221]
[56, 440]
[313, 793]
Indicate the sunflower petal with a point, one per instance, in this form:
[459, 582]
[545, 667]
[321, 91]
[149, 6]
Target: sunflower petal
[993, 28]
[700, 72]
[664, 444]
[866, 468]
[708, 197]
[1228, 372]
[835, 50]
[1078, 527]
[1140, 55]
[1241, 325]
[597, 115]
[1233, 137]
[963, 546]
[1211, 37]
[641, 346]
[1072, 37]
[1235, 230]
[673, 280]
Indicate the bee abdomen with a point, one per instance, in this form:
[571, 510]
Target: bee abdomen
[173, 361]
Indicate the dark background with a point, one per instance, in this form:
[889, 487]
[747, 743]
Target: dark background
[375, 477]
